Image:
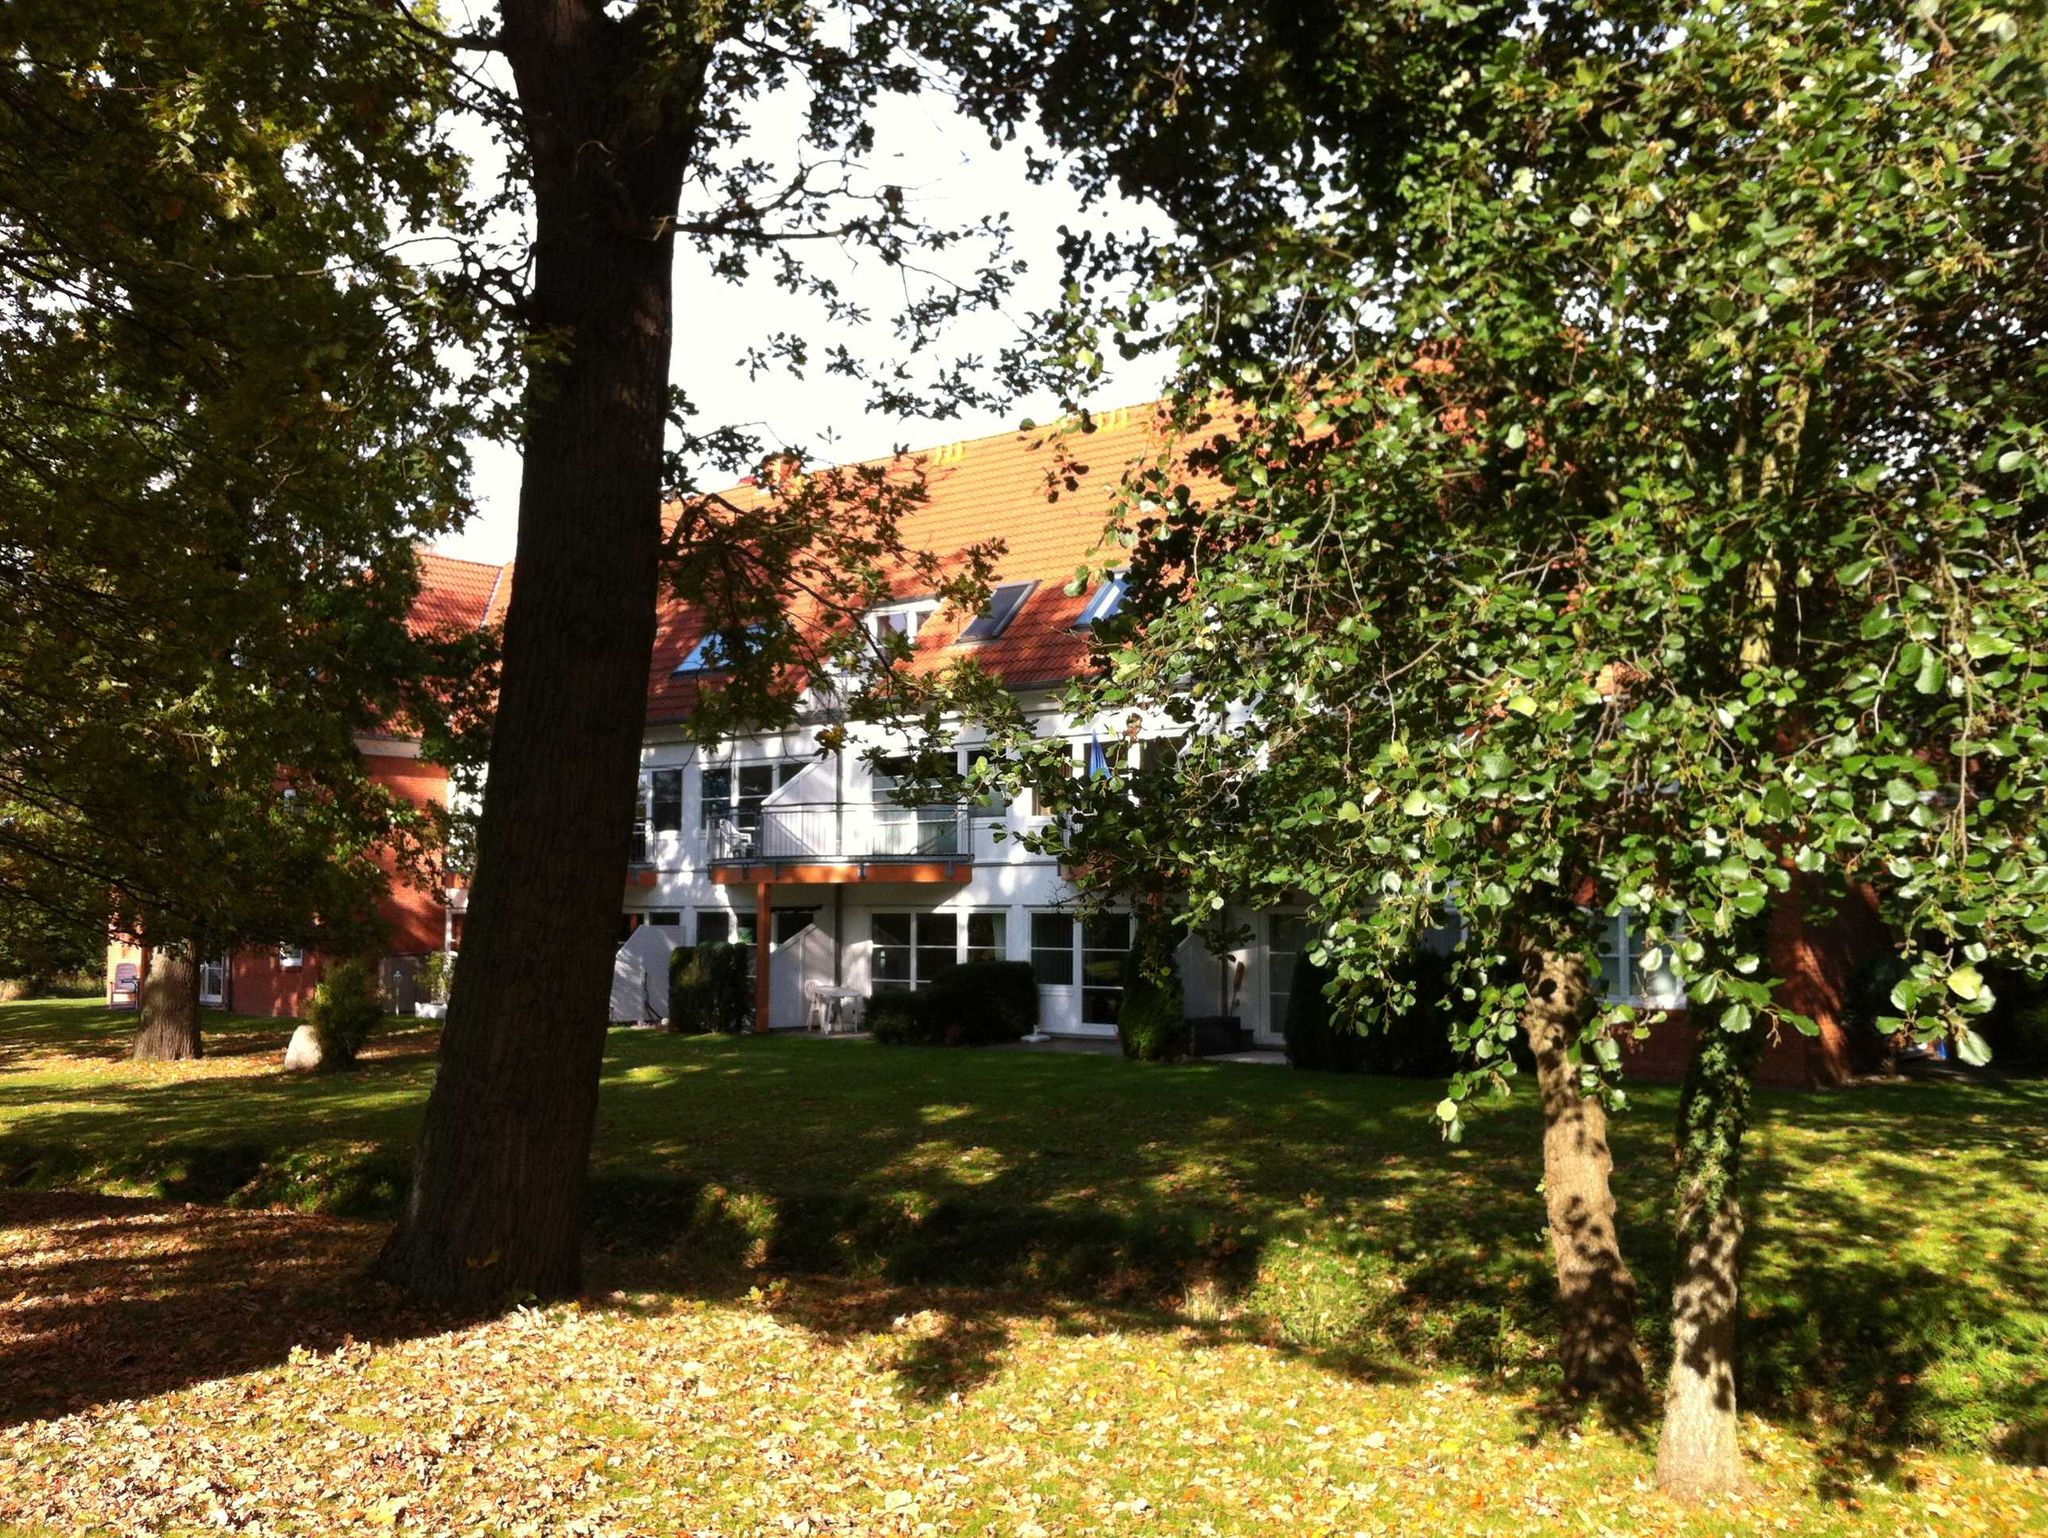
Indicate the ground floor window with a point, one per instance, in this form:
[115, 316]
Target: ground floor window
[213, 980]
[717, 927]
[1093, 950]
[908, 950]
[1287, 938]
[1624, 976]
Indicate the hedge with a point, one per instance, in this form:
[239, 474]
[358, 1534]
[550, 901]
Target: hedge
[976, 1004]
[1151, 1023]
[711, 988]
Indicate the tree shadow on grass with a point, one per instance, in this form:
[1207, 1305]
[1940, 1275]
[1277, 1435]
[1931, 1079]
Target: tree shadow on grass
[944, 1199]
[121, 1298]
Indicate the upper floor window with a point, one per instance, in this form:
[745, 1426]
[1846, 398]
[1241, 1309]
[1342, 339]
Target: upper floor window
[713, 652]
[1106, 600]
[734, 792]
[1003, 605]
[899, 619]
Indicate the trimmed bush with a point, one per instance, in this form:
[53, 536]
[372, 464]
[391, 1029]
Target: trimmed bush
[1316, 1039]
[984, 1002]
[711, 988]
[1413, 1044]
[345, 1009]
[1152, 1025]
[902, 1019]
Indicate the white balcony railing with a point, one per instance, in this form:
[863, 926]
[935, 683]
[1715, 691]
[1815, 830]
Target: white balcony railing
[839, 830]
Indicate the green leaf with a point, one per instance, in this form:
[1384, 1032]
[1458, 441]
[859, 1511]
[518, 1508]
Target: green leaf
[1972, 1048]
[1966, 983]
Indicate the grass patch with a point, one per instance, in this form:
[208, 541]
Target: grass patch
[1031, 1214]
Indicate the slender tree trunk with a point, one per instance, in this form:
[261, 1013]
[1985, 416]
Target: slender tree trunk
[1596, 1291]
[496, 1208]
[1698, 1453]
[167, 1008]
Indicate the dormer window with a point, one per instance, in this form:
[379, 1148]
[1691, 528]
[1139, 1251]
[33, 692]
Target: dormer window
[1106, 600]
[899, 619]
[710, 655]
[1003, 605]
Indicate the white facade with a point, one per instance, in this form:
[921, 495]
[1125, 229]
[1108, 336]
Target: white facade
[775, 802]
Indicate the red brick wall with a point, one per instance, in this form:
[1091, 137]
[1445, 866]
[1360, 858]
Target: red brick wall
[1815, 956]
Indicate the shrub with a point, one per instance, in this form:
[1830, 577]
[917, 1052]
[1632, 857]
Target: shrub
[1315, 1038]
[435, 976]
[2017, 1027]
[903, 1019]
[1413, 1043]
[345, 1009]
[1152, 1023]
[711, 988]
[983, 1002]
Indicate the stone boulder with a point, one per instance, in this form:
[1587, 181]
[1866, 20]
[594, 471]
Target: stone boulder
[305, 1054]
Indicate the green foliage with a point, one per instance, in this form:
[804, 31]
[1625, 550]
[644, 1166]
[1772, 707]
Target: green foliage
[904, 1018]
[2018, 1029]
[234, 409]
[345, 1008]
[436, 976]
[1314, 1038]
[1406, 1041]
[1636, 500]
[1151, 1023]
[711, 988]
[976, 1004]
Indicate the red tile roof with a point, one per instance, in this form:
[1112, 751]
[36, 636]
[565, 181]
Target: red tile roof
[1009, 487]
[458, 595]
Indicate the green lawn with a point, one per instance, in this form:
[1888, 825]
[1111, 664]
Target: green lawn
[1061, 1285]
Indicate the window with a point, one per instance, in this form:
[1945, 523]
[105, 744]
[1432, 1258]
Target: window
[933, 828]
[717, 927]
[628, 922]
[1105, 942]
[1052, 949]
[213, 980]
[992, 802]
[908, 950]
[791, 922]
[713, 651]
[291, 955]
[668, 800]
[1003, 605]
[665, 918]
[1625, 979]
[1106, 600]
[898, 619]
[636, 852]
[1287, 939]
[734, 792]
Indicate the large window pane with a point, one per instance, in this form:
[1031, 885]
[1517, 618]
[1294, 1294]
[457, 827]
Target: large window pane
[938, 941]
[668, 800]
[1052, 949]
[987, 936]
[889, 955]
[1289, 933]
[1105, 943]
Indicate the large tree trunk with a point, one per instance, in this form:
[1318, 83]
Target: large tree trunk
[1698, 1454]
[496, 1208]
[1596, 1291]
[167, 1008]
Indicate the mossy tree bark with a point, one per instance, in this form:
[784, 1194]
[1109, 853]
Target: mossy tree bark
[1698, 1453]
[1596, 1290]
[167, 1008]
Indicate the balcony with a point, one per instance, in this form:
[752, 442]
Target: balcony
[832, 841]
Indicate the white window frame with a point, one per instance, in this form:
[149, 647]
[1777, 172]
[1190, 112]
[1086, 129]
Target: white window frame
[963, 922]
[1619, 981]
[914, 614]
[291, 956]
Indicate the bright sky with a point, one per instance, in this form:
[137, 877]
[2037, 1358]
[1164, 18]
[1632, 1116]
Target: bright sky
[948, 169]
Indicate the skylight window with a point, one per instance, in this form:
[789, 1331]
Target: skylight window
[1003, 605]
[709, 654]
[1106, 601]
